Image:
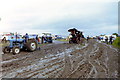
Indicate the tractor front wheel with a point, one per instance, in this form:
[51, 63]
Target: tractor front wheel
[16, 50]
[6, 50]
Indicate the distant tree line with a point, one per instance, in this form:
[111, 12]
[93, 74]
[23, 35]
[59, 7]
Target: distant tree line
[115, 34]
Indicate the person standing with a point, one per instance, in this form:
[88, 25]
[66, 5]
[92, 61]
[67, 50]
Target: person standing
[38, 40]
[88, 38]
[78, 35]
[99, 38]
[106, 39]
[111, 40]
[26, 37]
[4, 40]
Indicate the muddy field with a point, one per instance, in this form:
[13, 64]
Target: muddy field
[63, 60]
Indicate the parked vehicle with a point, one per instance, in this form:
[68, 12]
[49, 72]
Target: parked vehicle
[47, 38]
[17, 43]
[75, 36]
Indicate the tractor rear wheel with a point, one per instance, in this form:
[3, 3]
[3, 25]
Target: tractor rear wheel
[16, 50]
[31, 45]
[6, 50]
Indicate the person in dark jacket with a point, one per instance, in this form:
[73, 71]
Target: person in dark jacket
[111, 40]
[4, 40]
[26, 37]
[106, 39]
[88, 38]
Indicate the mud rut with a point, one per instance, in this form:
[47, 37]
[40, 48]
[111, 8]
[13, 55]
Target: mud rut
[93, 60]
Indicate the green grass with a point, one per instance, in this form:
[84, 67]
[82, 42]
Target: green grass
[62, 40]
[116, 43]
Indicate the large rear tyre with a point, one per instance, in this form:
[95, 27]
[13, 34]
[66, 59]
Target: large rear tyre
[16, 50]
[6, 50]
[31, 45]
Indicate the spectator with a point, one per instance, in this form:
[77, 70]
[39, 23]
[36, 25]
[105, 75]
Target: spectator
[88, 38]
[4, 40]
[106, 39]
[99, 38]
[111, 40]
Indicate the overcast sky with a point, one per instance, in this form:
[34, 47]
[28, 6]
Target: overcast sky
[93, 17]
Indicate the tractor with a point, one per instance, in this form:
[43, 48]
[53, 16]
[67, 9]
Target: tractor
[47, 38]
[16, 43]
[75, 36]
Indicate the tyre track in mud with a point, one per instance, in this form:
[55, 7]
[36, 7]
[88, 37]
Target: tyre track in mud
[100, 60]
[93, 60]
[49, 60]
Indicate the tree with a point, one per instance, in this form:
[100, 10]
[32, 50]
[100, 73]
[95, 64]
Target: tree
[115, 34]
[102, 35]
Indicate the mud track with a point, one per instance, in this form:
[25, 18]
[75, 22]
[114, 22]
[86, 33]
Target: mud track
[63, 60]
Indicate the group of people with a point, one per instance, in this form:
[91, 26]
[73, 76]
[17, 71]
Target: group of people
[110, 40]
[26, 36]
[107, 39]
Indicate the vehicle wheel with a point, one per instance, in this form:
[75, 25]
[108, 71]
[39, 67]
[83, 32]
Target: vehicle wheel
[31, 45]
[6, 50]
[70, 42]
[51, 41]
[16, 50]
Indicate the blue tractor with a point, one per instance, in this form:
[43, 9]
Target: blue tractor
[17, 43]
[47, 38]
